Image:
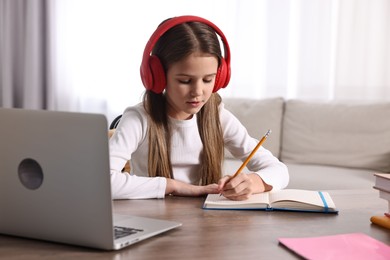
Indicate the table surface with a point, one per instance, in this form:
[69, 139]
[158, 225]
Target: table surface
[219, 234]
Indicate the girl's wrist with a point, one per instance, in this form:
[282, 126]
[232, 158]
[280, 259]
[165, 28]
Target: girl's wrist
[260, 185]
[170, 188]
[175, 187]
[179, 188]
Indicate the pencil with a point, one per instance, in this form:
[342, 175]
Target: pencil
[252, 153]
[250, 156]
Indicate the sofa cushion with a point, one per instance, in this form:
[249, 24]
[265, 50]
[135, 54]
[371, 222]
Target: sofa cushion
[259, 115]
[348, 134]
[328, 177]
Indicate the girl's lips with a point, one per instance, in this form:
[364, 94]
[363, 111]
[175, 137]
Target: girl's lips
[194, 103]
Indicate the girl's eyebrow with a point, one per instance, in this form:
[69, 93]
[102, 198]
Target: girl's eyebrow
[188, 75]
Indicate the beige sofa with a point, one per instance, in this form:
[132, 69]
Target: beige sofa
[325, 144]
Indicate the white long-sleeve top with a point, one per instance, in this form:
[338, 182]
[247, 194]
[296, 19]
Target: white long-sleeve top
[130, 142]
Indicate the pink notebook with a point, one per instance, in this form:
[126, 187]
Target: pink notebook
[345, 246]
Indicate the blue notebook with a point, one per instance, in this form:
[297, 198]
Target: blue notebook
[286, 200]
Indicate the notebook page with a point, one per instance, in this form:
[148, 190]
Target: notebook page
[285, 198]
[255, 199]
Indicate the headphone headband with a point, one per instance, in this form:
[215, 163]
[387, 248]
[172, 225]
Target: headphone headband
[152, 72]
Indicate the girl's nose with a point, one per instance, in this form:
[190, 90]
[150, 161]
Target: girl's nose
[197, 89]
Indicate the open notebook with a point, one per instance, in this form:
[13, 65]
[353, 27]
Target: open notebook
[287, 200]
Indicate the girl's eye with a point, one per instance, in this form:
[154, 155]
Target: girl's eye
[208, 79]
[184, 81]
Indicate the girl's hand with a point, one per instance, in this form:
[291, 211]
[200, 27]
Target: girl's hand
[242, 186]
[179, 188]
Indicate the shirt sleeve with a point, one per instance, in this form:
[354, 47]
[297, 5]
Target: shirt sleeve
[240, 144]
[126, 186]
[129, 134]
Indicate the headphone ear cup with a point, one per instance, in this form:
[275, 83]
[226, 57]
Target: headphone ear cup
[146, 74]
[223, 76]
[154, 76]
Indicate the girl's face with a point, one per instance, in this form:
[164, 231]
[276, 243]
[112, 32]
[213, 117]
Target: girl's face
[190, 83]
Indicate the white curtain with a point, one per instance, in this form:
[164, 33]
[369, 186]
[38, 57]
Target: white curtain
[362, 54]
[310, 49]
[23, 59]
[315, 49]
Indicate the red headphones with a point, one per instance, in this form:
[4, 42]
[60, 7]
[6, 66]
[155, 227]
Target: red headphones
[152, 71]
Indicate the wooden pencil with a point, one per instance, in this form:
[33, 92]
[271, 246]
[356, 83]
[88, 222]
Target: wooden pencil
[252, 153]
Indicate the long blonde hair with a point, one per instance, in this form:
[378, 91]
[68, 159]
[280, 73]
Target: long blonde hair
[176, 44]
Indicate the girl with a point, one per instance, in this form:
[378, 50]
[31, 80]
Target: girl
[176, 137]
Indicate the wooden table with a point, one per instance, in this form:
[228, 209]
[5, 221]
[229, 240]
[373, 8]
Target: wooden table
[219, 234]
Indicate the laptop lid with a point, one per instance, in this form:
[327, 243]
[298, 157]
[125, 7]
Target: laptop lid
[55, 181]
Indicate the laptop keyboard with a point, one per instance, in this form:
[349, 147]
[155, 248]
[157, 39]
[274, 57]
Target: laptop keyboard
[125, 231]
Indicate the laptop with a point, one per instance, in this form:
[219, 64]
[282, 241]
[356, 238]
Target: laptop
[55, 182]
